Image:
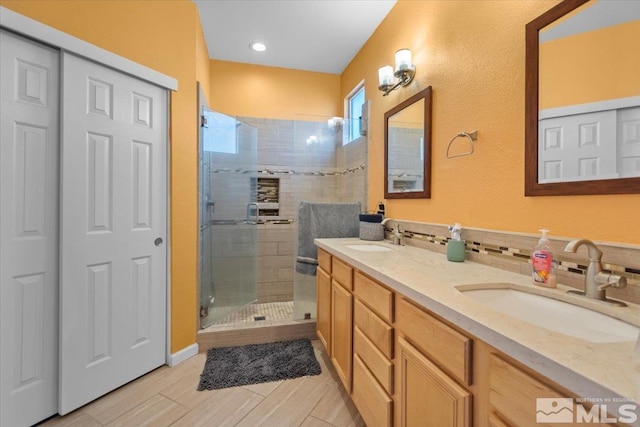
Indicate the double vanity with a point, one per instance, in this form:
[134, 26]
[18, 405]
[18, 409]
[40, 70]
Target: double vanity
[418, 340]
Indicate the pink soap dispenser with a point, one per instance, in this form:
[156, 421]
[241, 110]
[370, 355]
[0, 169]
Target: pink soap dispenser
[543, 264]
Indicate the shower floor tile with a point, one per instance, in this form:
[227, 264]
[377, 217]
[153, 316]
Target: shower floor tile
[267, 312]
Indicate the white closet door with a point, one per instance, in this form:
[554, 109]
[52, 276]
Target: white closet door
[28, 231]
[628, 122]
[113, 266]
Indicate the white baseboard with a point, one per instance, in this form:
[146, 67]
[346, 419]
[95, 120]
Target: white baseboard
[179, 357]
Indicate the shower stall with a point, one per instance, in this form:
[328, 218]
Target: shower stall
[254, 172]
[228, 224]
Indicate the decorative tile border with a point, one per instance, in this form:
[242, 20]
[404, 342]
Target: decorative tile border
[343, 172]
[512, 251]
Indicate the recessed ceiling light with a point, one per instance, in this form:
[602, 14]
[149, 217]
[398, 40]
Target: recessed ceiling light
[258, 46]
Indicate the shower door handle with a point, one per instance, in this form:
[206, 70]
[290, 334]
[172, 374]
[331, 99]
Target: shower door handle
[249, 213]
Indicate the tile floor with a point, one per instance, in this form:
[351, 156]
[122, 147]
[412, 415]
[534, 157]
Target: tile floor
[168, 397]
[270, 310]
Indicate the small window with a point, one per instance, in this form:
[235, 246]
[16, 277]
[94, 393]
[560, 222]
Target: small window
[355, 102]
[219, 134]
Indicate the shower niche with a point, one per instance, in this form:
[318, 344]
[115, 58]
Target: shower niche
[265, 193]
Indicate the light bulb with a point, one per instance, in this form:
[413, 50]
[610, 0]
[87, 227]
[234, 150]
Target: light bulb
[385, 75]
[403, 59]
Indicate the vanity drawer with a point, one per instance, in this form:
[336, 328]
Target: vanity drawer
[374, 328]
[324, 260]
[374, 295]
[513, 393]
[373, 403]
[443, 344]
[378, 364]
[342, 273]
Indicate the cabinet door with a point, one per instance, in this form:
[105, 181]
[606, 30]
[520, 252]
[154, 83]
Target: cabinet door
[341, 332]
[427, 397]
[323, 322]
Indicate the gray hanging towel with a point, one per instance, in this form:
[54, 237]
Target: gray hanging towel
[323, 220]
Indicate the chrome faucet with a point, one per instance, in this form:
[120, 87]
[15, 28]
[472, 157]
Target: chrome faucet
[596, 281]
[397, 235]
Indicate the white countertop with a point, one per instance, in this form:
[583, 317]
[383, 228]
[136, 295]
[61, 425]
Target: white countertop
[590, 370]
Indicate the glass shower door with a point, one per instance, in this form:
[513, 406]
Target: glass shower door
[228, 228]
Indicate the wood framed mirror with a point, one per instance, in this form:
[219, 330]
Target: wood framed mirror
[582, 111]
[407, 148]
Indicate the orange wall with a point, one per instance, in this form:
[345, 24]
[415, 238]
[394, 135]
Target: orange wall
[161, 35]
[472, 54]
[202, 59]
[593, 66]
[275, 93]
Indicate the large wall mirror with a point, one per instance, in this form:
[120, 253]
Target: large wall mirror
[407, 148]
[582, 125]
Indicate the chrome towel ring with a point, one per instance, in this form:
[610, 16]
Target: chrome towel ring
[471, 136]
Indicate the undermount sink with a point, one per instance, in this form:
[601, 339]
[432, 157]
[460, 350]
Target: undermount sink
[552, 314]
[369, 247]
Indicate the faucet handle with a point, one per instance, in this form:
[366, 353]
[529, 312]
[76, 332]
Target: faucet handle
[605, 280]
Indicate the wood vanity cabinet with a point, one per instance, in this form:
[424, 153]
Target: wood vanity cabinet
[342, 320]
[354, 323]
[404, 366]
[433, 369]
[342, 332]
[373, 351]
[334, 324]
[323, 298]
[513, 391]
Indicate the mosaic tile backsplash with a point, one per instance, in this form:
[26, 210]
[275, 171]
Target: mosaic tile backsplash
[512, 251]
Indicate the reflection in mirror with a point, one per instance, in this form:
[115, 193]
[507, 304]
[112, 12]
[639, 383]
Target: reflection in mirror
[407, 148]
[405, 136]
[583, 99]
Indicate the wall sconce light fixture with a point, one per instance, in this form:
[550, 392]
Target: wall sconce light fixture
[405, 71]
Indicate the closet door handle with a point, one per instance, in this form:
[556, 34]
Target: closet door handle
[158, 241]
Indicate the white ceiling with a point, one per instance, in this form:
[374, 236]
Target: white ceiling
[311, 35]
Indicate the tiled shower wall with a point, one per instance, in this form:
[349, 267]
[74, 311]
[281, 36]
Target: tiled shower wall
[511, 251]
[405, 157]
[325, 171]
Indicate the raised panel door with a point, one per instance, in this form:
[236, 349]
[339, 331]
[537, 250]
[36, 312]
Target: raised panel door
[580, 146]
[113, 256]
[342, 332]
[628, 133]
[28, 230]
[323, 322]
[428, 397]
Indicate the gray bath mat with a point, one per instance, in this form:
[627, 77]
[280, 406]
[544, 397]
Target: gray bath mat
[258, 363]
